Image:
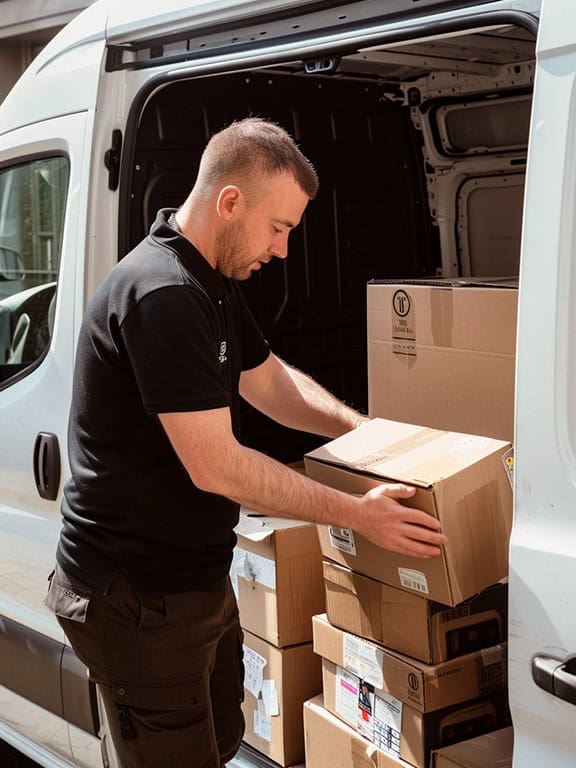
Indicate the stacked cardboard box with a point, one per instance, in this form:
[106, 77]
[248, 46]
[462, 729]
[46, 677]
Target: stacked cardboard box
[406, 707]
[462, 480]
[492, 750]
[442, 353]
[413, 650]
[330, 743]
[277, 576]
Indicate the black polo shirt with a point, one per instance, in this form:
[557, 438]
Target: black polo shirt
[163, 333]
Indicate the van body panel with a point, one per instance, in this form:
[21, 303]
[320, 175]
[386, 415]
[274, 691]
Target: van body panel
[37, 733]
[69, 83]
[543, 546]
[39, 400]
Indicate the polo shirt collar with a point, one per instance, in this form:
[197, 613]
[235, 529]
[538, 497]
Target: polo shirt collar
[162, 233]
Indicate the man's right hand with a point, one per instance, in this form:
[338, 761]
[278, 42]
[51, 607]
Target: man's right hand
[396, 527]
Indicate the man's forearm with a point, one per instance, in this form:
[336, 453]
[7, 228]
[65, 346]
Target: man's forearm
[260, 483]
[295, 400]
[320, 412]
[218, 463]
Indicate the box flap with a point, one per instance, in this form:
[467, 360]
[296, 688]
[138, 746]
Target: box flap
[407, 453]
[257, 527]
[453, 282]
[492, 750]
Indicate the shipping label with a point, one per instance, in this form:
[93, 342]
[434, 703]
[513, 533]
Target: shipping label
[253, 671]
[416, 580]
[377, 718]
[342, 539]
[363, 659]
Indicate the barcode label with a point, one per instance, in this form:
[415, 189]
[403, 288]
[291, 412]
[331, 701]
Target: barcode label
[415, 580]
[388, 724]
[342, 539]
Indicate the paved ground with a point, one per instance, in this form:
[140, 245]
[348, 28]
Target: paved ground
[10, 758]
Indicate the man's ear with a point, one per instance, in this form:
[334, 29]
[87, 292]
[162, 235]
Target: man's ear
[228, 202]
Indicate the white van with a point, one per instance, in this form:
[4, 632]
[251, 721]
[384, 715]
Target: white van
[444, 134]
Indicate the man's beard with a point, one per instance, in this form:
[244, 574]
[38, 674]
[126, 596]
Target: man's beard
[232, 257]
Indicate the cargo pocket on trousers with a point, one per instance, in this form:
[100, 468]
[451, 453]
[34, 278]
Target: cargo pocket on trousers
[143, 713]
[65, 599]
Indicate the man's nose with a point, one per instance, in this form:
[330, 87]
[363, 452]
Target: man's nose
[279, 247]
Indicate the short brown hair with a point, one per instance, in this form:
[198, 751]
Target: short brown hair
[254, 147]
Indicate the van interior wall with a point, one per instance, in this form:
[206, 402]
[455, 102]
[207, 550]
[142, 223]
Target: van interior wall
[370, 219]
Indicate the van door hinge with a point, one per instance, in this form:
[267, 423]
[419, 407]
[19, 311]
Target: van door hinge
[112, 159]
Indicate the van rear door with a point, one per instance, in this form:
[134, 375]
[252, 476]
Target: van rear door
[543, 549]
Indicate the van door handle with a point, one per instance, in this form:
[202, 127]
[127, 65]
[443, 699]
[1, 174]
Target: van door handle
[47, 465]
[557, 676]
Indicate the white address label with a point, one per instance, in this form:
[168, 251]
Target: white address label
[412, 579]
[342, 539]
[262, 726]
[253, 671]
[364, 660]
[388, 724]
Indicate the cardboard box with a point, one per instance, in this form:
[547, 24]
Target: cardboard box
[277, 682]
[411, 624]
[330, 743]
[462, 480]
[398, 728]
[277, 576]
[426, 687]
[443, 354]
[492, 750]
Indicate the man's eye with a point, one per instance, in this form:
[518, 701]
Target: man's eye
[277, 231]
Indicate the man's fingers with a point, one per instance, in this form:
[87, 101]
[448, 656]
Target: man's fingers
[418, 549]
[397, 490]
[425, 535]
[418, 518]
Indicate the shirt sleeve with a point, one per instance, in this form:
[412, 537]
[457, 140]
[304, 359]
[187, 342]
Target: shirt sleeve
[170, 338]
[255, 348]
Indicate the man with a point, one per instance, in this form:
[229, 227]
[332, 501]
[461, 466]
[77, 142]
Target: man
[166, 349]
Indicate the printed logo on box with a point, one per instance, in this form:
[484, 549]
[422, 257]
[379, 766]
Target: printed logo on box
[403, 324]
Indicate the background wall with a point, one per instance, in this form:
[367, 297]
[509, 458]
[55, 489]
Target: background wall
[25, 28]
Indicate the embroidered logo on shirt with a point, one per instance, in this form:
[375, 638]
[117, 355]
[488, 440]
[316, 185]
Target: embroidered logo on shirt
[222, 354]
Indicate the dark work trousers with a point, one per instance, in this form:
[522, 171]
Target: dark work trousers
[169, 669]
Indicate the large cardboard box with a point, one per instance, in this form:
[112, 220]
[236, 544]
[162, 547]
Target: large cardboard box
[277, 682]
[443, 354]
[411, 624]
[277, 575]
[462, 480]
[426, 687]
[492, 750]
[398, 728]
[330, 743]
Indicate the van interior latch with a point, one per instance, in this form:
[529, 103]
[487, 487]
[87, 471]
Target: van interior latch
[112, 159]
[327, 66]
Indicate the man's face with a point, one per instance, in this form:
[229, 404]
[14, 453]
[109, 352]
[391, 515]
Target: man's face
[259, 232]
